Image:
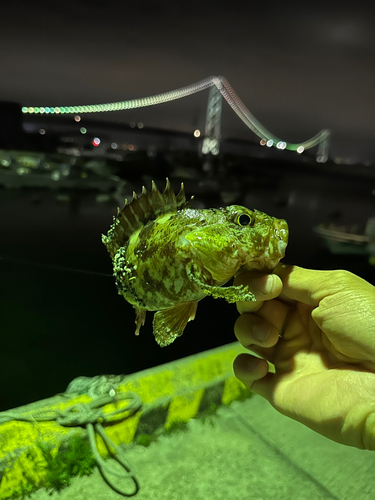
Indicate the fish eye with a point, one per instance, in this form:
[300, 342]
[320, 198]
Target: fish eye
[244, 220]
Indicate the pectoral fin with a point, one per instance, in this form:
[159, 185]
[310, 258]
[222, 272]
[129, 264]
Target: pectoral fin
[170, 323]
[229, 293]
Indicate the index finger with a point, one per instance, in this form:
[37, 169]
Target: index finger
[264, 287]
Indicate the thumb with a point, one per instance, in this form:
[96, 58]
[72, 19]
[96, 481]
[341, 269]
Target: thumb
[310, 286]
[346, 308]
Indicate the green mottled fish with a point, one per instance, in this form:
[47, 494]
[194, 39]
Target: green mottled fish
[167, 256]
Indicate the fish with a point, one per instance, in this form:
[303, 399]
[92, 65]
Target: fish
[168, 256]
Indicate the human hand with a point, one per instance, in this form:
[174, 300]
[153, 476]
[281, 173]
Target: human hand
[320, 337]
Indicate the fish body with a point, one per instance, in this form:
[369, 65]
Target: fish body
[168, 256]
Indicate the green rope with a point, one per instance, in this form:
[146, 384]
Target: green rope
[117, 454]
[91, 416]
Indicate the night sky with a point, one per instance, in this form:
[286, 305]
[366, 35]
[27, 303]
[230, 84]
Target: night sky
[298, 66]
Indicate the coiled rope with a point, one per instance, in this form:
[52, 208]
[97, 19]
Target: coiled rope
[92, 416]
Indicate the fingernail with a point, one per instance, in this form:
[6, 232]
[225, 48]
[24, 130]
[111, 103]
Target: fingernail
[261, 332]
[265, 284]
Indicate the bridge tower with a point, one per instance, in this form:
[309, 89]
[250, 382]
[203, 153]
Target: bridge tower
[211, 141]
[323, 148]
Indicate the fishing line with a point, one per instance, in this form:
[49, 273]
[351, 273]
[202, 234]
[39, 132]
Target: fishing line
[52, 266]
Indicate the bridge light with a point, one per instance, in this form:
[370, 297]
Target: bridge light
[300, 149]
[197, 133]
[218, 83]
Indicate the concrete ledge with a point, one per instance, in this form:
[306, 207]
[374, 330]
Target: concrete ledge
[171, 394]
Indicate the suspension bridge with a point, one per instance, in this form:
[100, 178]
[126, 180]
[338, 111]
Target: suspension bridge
[219, 88]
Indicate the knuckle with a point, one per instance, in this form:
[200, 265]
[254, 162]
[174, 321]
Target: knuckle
[342, 276]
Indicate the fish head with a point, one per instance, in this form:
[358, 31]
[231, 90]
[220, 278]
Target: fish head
[259, 239]
[235, 238]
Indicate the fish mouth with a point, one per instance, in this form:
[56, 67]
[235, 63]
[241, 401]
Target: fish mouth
[281, 248]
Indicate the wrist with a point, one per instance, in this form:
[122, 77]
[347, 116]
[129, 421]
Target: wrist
[358, 428]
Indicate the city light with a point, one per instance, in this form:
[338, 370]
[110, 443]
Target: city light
[197, 133]
[96, 141]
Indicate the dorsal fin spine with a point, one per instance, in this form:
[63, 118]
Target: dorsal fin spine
[137, 219]
[140, 211]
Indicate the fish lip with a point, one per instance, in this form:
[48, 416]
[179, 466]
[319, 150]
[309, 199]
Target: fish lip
[282, 247]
